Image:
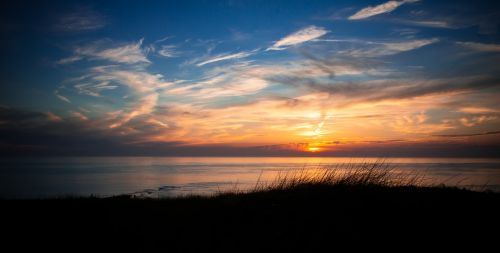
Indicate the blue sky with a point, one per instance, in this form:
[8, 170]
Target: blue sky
[264, 77]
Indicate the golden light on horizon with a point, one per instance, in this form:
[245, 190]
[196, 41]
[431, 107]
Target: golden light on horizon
[313, 149]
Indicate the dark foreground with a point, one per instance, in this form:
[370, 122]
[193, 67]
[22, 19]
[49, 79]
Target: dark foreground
[308, 218]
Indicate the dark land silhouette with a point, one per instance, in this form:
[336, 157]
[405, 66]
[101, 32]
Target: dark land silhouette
[294, 214]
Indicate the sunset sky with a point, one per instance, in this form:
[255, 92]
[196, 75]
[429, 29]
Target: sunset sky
[402, 78]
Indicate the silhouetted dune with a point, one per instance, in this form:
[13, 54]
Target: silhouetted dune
[294, 213]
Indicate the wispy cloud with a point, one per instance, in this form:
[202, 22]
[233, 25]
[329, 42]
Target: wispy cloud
[79, 116]
[306, 34]
[94, 88]
[418, 123]
[70, 59]
[53, 117]
[143, 91]
[468, 135]
[233, 80]
[144, 106]
[168, 51]
[137, 80]
[476, 120]
[131, 53]
[81, 20]
[374, 49]
[379, 9]
[407, 45]
[454, 18]
[406, 32]
[142, 88]
[224, 57]
[380, 90]
[61, 97]
[483, 47]
[478, 110]
[430, 23]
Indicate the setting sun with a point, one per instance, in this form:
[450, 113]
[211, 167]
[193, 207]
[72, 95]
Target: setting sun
[313, 149]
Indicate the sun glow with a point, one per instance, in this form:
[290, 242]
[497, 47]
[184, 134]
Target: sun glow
[313, 149]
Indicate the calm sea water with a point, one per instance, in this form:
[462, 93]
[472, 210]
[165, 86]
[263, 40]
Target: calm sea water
[174, 176]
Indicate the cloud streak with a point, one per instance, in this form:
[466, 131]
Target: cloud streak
[375, 49]
[144, 106]
[371, 11]
[430, 23]
[168, 51]
[225, 57]
[379, 90]
[142, 87]
[69, 60]
[233, 80]
[82, 20]
[468, 135]
[61, 97]
[131, 53]
[482, 47]
[306, 34]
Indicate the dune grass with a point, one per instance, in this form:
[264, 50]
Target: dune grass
[365, 174]
[350, 174]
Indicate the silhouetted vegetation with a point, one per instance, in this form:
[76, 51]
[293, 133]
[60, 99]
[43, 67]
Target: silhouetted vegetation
[371, 206]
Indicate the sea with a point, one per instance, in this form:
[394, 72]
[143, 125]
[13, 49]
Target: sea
[156, 177]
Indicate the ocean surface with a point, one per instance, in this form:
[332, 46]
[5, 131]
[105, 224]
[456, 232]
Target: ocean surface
[176, 176]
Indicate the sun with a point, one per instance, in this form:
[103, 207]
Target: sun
[313, 149]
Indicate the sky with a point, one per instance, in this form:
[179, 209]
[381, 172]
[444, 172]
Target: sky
[250, 78]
